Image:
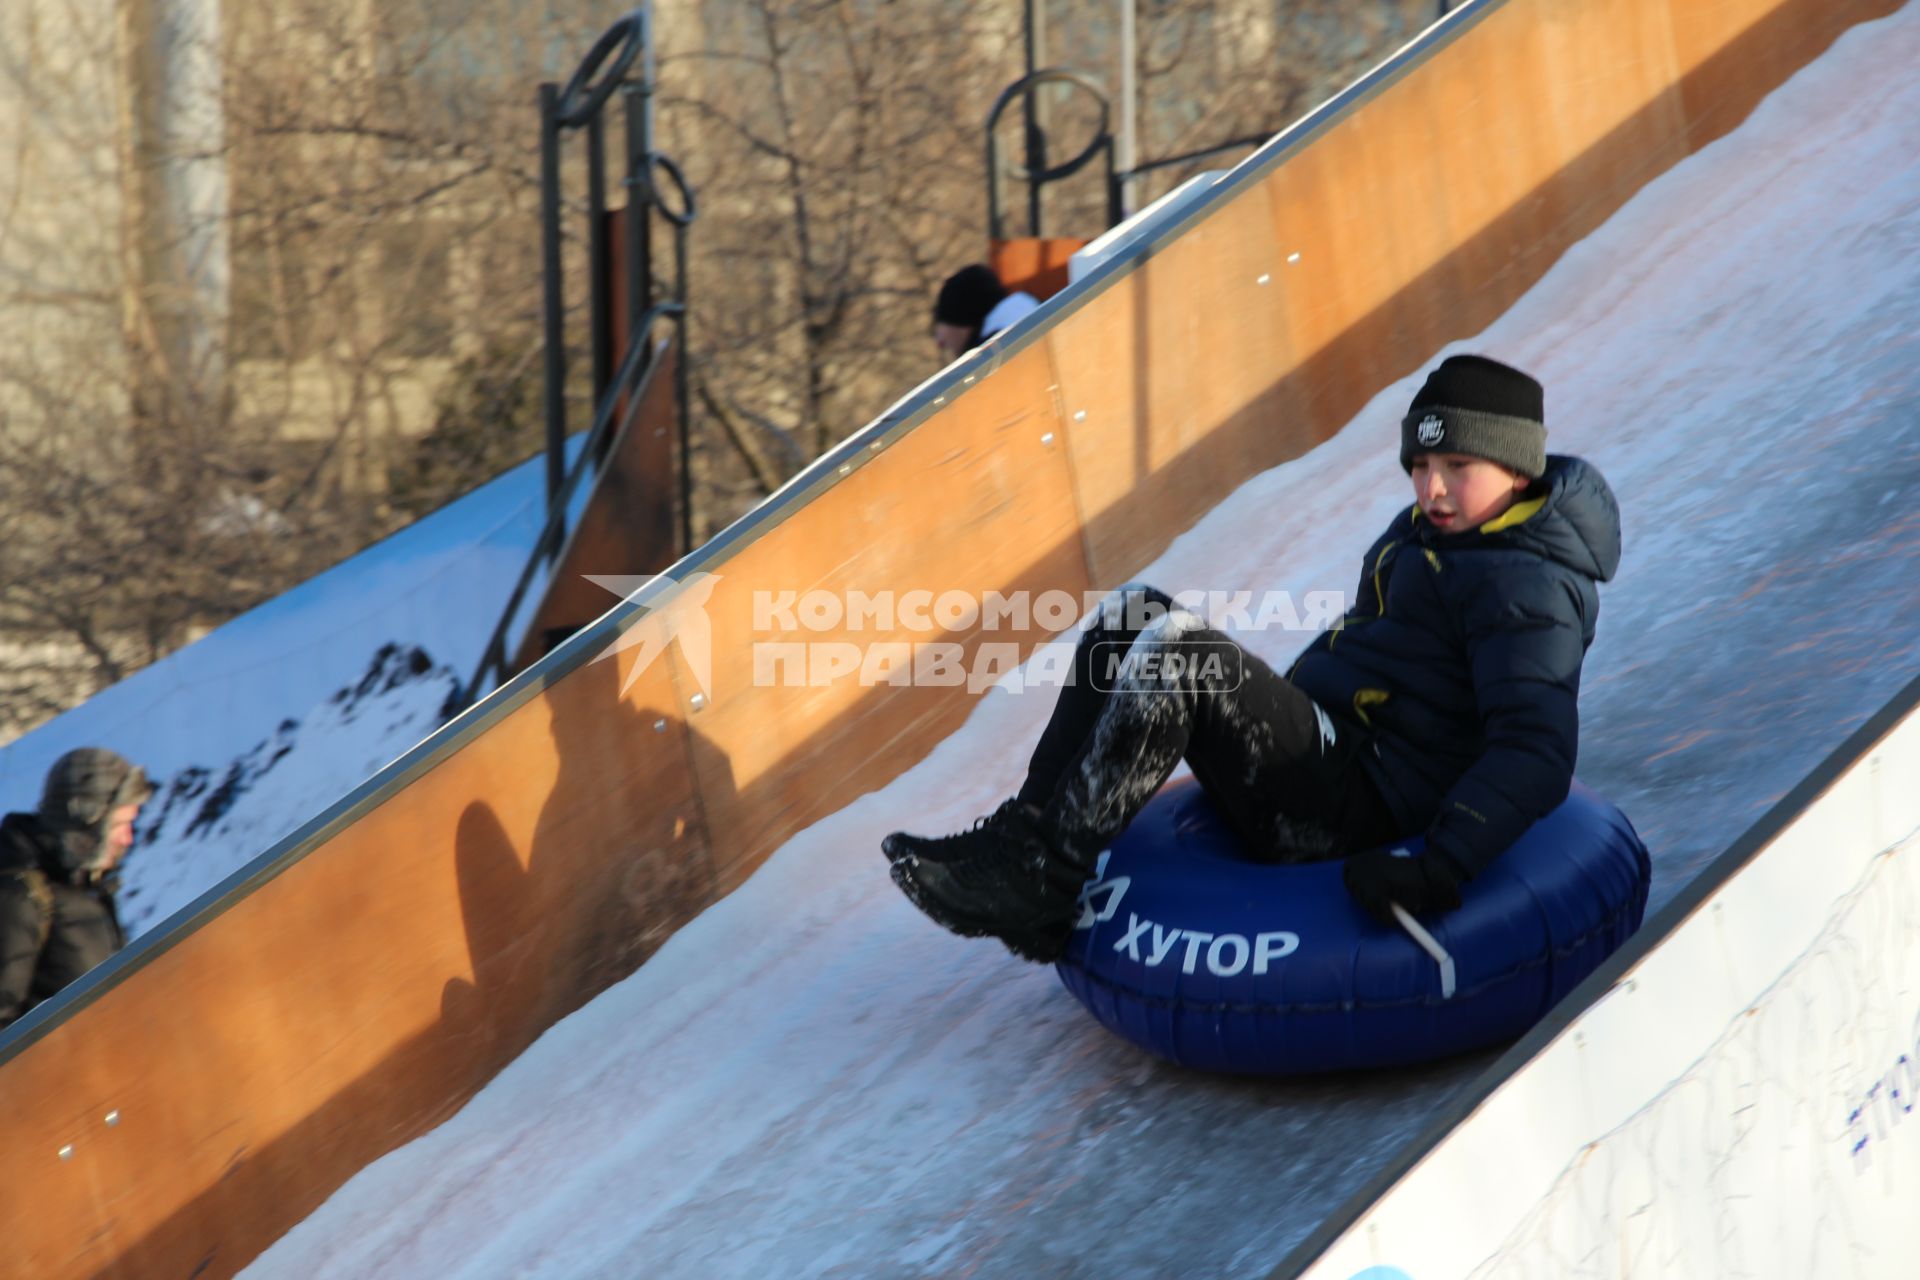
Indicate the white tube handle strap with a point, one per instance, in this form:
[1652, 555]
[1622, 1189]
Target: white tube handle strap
[1430, 945]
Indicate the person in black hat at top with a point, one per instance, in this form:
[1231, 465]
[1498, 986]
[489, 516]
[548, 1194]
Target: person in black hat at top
[57, 875]
[972, 306]
[1443, 704]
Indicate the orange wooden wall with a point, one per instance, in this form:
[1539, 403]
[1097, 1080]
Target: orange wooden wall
[542, 847]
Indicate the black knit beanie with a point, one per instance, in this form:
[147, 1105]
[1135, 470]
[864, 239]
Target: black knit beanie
[968, 297]
[1477, 406]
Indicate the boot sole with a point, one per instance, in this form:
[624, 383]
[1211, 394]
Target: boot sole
[1033, 947]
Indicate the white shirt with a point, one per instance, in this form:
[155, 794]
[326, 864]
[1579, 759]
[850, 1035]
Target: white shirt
[1009, 311]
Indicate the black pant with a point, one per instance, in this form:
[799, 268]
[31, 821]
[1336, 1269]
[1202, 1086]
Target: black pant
[1152, 685]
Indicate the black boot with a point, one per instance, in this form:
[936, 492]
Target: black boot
[1002, 879]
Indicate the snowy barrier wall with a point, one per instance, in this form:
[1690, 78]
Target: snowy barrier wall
[184, 1105]
[1738, 1097]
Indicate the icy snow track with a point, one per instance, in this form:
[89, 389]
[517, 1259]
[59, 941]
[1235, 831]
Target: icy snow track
[811, 1080]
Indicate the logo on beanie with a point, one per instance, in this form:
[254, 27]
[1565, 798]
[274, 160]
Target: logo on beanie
[1432, 430]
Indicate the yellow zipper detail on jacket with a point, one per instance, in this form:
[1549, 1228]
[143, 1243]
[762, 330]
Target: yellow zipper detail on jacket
[1379, 595]
[1364, 698]
[1380, 563]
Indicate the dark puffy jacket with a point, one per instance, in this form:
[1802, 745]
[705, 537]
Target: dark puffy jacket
[55, 924]
[1461, 656]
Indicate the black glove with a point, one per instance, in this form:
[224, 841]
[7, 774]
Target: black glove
[1377, 879]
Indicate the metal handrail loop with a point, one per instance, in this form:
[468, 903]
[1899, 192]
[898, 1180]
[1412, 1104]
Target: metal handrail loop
[628, 36]
[689, 208]
[1054, 75]
[1037, 176]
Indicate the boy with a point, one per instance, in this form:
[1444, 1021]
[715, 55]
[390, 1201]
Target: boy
[972, 306]
[1444, 703]
[57, 917]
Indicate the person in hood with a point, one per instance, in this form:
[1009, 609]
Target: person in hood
[57, 880]
[972, 306]
[1443, 704]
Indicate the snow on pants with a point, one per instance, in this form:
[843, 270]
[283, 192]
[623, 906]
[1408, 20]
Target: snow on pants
[1152, 684]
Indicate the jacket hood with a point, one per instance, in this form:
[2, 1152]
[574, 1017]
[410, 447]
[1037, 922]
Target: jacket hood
[1569, 517]
[1579, 523]
[83, 789]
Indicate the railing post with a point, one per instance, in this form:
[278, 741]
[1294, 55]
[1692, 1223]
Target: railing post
[1116, 213]
[556, 356]
[993, 185]
[639, 212]
[602, 311]
[681, 360]
[1036, 33]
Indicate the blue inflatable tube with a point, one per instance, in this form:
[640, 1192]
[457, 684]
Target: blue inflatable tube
[1212, 961]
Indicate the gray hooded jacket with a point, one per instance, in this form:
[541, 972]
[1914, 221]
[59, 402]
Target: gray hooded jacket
[57, 917]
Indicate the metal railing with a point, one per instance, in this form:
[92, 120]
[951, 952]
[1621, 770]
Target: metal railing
[618, 380]
[1036, 173]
